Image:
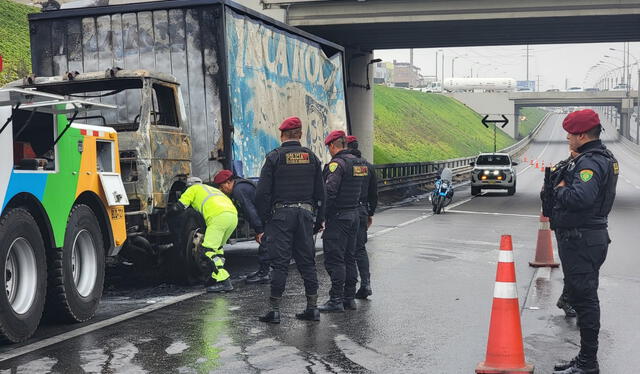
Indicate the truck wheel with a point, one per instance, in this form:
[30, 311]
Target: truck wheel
[475, 191]
[76, 271]
[23, 263]
[187, 266]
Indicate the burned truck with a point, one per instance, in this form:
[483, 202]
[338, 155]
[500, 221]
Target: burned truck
[199, 86]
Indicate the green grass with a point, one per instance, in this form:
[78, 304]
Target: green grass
[411, 126]
[532, 116]
[14, 40]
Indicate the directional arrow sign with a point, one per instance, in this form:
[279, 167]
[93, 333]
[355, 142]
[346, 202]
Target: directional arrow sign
[486, 121]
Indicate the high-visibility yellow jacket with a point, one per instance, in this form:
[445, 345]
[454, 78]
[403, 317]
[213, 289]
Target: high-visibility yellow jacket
[207, 200]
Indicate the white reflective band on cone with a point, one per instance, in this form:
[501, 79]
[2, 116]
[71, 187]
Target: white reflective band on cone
[505, 290]
[544, 226]
[505, 256]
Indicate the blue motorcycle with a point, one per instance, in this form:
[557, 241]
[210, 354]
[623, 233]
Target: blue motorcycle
[443, 191]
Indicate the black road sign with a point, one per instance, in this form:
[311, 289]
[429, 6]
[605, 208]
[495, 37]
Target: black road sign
[504, 121]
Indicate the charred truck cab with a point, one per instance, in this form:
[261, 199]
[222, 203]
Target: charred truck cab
[155, 151]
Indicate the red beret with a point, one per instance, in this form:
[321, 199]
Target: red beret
[333, 135]
[290, 124]
[351, 139]
[580, 121]
[222, 176]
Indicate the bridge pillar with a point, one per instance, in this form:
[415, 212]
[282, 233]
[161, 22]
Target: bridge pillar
[360, 98]
[516, 122]
[625, 117]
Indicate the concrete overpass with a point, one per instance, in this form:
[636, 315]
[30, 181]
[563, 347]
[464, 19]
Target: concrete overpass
[362, 26]
[621, 100]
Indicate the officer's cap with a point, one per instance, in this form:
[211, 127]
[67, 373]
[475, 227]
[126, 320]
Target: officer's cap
[290, 123]
[334, 135]
[222, 176]
[351, 139]
[580, 121]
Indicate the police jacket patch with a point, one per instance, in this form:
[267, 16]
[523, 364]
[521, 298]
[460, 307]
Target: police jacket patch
[360, 171]
[297, 158]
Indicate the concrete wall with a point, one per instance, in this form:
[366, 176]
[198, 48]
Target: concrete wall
[360, 99]
[494, 104]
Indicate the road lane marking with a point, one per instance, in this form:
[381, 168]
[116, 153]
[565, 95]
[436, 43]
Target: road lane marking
[95, 326]
[495, 213]
[417, 219]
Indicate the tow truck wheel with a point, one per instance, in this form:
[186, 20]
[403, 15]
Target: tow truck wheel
[22, 261]
[76, 271]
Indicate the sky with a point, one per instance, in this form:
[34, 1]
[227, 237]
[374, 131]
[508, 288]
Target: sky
[552, 65]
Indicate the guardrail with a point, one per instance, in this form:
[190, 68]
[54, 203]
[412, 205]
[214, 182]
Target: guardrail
[403, 175]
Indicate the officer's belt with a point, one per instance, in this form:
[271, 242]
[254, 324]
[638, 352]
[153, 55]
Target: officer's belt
[305, 206]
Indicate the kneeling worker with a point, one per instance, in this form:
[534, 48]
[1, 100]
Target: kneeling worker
[243, 195]
[221, 218]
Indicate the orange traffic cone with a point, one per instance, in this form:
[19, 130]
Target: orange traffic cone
[505, 351]
[525, 159]
[537, 165]
[544, 246]
[531, 162]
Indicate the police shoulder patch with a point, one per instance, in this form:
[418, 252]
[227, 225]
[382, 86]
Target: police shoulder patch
[586, 175]
[333, 166]
[616, 168]
[297, 158]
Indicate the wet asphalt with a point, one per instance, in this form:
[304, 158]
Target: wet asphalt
[432, 279]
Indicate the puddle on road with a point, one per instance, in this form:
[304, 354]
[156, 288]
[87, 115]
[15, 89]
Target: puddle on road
[176, 348]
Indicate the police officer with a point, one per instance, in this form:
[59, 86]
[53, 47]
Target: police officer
[366, 210]
[583, 200]
[290, 199]
[221, 218]
[344, 176]
[243, 195]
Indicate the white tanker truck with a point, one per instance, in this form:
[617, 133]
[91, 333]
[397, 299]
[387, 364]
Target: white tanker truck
[485, 84]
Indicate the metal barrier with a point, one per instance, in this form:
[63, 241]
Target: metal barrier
[408, 174]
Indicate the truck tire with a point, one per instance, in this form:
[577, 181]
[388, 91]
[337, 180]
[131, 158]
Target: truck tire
[475, 191]
[76, 271]
[23, 263]
[187, 266]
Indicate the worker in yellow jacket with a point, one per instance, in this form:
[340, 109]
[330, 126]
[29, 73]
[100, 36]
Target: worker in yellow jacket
[221, 218]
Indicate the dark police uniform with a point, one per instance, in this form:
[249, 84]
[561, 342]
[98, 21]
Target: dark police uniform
[367, 208]
[290, 196]
[244, 197]
[343, 176]
[580, 220]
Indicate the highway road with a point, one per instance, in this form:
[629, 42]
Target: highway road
[433, 279]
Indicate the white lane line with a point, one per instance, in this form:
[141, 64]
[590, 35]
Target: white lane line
[95, 326]
[494, 213]
[417, 219]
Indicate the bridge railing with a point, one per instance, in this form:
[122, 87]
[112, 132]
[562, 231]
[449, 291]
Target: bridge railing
[409, 174]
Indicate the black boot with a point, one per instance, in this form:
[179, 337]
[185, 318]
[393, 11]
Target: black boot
[332, 306]
[274, 315]
[271, 317]
[224, 286]
[261, 276]
[311, 313]
[566, 307]
[364, 291]
[578, 369]
[349, 304]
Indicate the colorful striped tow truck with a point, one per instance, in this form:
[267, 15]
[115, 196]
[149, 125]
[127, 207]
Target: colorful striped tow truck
[62, 209]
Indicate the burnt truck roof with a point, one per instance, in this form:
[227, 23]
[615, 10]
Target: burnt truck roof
[101, 77]
[173, 4]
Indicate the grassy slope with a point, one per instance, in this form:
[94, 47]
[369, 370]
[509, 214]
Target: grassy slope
[414, 126]
[14, 39]
[533, 116]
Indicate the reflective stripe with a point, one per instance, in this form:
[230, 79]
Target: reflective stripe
[544, 225]
[505, 256]
[505, 290]
[211, 192]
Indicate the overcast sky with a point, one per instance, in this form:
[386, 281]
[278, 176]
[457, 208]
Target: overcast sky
[553, 63]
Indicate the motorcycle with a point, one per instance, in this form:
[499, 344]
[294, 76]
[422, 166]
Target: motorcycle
[443, 192]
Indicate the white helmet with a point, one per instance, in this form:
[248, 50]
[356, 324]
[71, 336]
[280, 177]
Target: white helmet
[193, 180]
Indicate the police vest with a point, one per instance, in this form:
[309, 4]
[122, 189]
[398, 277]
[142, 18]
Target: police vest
[294, 175]
[364, 190]
[354, 176]
[597, 215]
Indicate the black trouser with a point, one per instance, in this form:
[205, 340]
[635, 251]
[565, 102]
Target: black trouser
[362, 258]
[263, 256]
[339, 243]
[582, 253]
[289, 233]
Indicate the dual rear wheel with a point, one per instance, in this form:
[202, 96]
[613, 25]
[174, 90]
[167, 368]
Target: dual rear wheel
[73, 288]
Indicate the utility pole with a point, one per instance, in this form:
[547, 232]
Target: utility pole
[436, 66]
[527, 64]
[538, 84]
[442, 83]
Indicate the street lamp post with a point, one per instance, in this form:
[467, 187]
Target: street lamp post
[453, 61]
